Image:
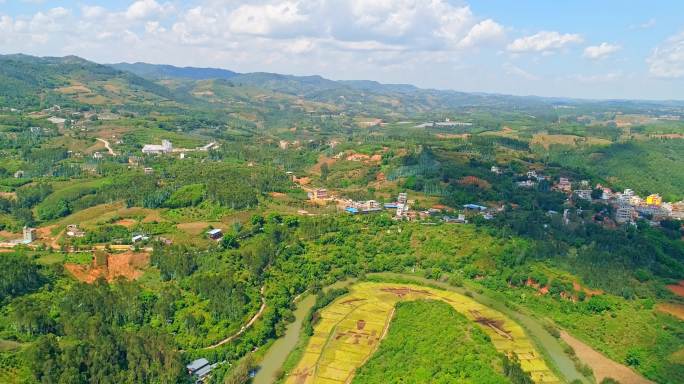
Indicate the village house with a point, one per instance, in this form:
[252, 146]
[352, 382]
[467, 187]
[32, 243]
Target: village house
[29, 235]
[654, 200]
[526, 184]
[134, 160]
[72, 230]
[139, 238]
[215, 234]
[678, 210]
[318, 194]
[200, 369]
[154, 149]
[564, 185]
[584, 194]
[461, 219]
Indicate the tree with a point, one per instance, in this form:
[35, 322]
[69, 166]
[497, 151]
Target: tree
[229, 241]
[325, 171]
[241, 373]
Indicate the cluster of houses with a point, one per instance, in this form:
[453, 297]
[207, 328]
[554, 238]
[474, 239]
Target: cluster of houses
[446, 123]
[167, 147]
[403, 212]
[628, 206]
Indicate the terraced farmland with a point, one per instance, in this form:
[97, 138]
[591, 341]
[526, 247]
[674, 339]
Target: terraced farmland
[351, 328]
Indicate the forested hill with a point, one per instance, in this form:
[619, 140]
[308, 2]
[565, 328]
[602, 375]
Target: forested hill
[29, 82]
[158, 72]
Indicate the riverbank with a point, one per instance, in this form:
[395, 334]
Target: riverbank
[284, 348]
[278, 353]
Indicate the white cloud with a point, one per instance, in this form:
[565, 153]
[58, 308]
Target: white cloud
[650, 23]
[265, 19]
[544, 41]
[484, 31]
[667, 60]
[514, 70]
[143, 9]
[600, 51]
[600, 78]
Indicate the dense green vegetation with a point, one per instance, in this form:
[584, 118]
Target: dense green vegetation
[431, 342]
[270, 128]
[652, 166]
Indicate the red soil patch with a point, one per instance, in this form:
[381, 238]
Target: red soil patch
[323, 160]
[676, 310]
[277, 195]
[677, 289]
[602, 366]
[45, 232]
[357, 157]
[476, 181]
[590, 292]
[126, 223]
[302, 180]
[128, 265]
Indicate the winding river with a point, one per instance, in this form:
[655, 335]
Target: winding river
[553, 350]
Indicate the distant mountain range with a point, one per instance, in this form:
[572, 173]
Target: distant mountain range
[160, 72]
[27, 81]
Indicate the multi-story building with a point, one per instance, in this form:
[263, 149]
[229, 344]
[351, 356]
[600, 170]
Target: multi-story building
[654, 199]
[624, 213]
[564, 185]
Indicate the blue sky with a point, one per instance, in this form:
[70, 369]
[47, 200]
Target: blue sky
[580, 48]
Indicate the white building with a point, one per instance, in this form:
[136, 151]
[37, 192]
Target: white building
[583, 194]
[624, 214]
[154, 149]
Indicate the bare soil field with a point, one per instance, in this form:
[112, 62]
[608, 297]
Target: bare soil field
[196, 227]
[8, 195]
[677, 289]
[676, 310]
[128, 265]
[128, 223]
[602, 366]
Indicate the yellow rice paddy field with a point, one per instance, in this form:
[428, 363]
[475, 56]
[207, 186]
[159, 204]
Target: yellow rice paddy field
[351, 328]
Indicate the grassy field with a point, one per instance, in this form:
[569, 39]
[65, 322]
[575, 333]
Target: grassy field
[439, 344]
[350, 329]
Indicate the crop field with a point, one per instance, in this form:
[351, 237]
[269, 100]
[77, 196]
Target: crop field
[350, 329]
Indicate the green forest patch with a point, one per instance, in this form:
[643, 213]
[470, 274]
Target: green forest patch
[429, 342]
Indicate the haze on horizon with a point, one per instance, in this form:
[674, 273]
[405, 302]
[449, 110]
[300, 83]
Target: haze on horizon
[530, 47]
